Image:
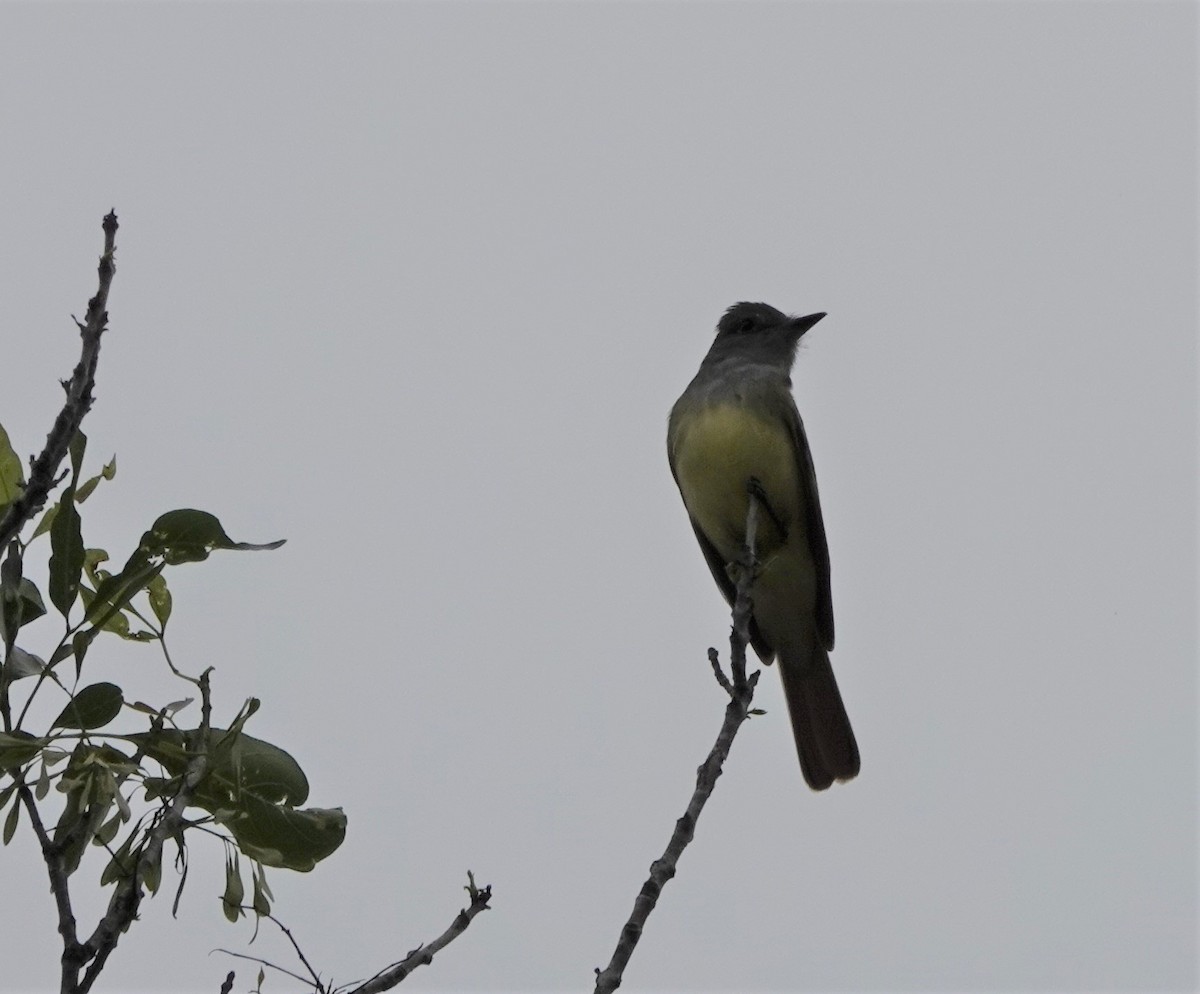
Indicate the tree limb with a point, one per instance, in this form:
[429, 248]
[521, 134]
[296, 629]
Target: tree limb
[59, 885]
[44, 468]
[741, 693]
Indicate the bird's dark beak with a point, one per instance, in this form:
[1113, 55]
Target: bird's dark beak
[799, 326]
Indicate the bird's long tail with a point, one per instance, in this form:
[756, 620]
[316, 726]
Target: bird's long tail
[824, 738]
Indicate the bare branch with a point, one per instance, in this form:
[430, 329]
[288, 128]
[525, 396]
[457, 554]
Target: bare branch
[386, 979]
[42, 474]
[43, 477]
[741, 693]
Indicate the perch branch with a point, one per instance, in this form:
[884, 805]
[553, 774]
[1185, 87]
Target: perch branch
[741, 693]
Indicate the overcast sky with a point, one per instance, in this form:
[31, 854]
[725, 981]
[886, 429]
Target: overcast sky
[415, 285]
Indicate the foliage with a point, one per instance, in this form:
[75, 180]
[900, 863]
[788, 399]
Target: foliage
[115, 763]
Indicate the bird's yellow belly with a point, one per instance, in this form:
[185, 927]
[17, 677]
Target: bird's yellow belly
[721, 449]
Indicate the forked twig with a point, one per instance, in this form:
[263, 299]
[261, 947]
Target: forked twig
[741, 693]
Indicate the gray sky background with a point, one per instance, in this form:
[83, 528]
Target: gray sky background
[414, 286]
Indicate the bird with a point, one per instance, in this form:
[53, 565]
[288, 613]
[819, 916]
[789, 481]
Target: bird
[735, 435]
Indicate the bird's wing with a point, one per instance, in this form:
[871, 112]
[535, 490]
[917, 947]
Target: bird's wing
[815, 527]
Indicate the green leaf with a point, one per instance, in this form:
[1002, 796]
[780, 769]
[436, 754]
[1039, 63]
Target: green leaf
[71, 833]
[21, 664]
[157, 787]
[261, 902]
[290, 838]
[108, 831]
[21, 606]
[91, 559]
[122, 806]
[32, 605]
[114, 620]
[231, 900]
[240, 764]
[115, 592]
[12, 478]
[152, 873]
[17, 748]
[118, 624]
[160, 599]
[86, 488]
[11, 569]
[77, 447]
[251, 788]
[22, 602]
[111, 614]
[176, 537]
[114, 760]
[181, 865]
[10, 823]
[66, 556]
[120, 864]
[167, 709]
[262, 879]
[66, 537]
[43, 784]
[61, 653]
[80, 643]
[91, 788]
[223, 745]
[47, 520]
[188, 536]
[93, 707]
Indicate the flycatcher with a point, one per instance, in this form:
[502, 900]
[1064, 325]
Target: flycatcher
[735, 434]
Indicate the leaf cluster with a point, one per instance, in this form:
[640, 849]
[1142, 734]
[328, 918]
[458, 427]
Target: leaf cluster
[116, 781]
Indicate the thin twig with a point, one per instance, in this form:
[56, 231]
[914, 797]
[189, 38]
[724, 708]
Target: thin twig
[313, 979]
[44, 468]
[714, 657]
[741, 694]
[388, 978]
[317, 985]
[299, 952]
